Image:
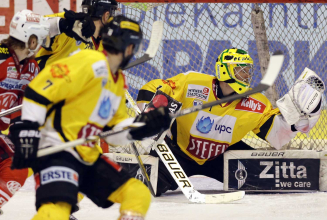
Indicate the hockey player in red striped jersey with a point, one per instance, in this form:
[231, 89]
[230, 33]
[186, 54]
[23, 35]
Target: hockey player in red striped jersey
[27, 32]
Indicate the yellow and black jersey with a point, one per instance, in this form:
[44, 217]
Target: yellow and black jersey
[76, 97]
[62, 46]
[208, 133]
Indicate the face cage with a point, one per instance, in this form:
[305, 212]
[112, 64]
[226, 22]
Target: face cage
[112, 11]
[242, 68]
[137, 50]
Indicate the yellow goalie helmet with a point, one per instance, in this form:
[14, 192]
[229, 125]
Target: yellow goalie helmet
[235, 67]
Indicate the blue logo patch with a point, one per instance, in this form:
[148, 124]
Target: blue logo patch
[104, 109]
[104, 82]
[197, 102]
[78, 42]
[204, 125]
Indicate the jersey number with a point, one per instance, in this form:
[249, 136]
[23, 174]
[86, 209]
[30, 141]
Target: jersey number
[49, 84]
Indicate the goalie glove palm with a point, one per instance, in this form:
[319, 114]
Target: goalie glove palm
[156, 120]
[25, 136]
[301, 106]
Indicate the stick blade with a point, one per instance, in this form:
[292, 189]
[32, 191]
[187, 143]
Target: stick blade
[275, 65]
[155, 40]
[224, 197]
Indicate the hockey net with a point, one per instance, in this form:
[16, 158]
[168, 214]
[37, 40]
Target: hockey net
[196, 33]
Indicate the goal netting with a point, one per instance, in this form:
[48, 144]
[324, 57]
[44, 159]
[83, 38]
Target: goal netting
[196, 33]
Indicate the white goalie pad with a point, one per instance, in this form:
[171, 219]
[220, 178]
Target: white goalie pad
[129, 162]
[275, 171]
[302, 99]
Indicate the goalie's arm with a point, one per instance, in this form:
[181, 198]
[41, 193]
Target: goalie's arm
[299, 110]
[147, 92]
[276, 131]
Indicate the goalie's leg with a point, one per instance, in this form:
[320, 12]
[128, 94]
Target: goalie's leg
[212, 168]
[165, 180]
[215, 168]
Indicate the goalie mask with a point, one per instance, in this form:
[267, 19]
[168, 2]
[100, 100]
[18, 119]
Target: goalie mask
[119, 33]
[235, 67]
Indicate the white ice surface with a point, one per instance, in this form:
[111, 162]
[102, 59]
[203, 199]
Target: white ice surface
[174, 206]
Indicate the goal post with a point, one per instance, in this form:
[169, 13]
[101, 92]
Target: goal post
[197, 31]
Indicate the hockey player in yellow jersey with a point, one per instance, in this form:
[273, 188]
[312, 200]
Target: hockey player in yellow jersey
[199, 140]
[75, 97]
[95, 14]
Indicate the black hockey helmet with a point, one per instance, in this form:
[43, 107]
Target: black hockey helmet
[120, 32]
[96, 8]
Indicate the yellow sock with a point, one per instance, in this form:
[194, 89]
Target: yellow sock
[80, 196]
[53, 211]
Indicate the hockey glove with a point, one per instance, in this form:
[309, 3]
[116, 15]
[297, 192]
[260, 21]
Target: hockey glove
[25, 136]
[301, 106]
[156, 120]
[79, 26]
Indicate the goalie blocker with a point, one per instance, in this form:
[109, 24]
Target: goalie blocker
[275, 171]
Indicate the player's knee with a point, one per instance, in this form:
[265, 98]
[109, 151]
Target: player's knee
[140, 197]
[53, 211]
[134, 197]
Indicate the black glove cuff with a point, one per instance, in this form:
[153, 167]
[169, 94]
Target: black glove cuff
[63, 25]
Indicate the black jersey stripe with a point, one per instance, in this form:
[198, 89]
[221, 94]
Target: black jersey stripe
[145, 95]
[265, 127]
[36, 97]
[57, 119]
[42, 60]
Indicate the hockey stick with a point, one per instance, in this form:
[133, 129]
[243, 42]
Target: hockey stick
[274, 67]
[136, 152]
[155, 40]
[178, 174]
[57, 148]
[12, 110]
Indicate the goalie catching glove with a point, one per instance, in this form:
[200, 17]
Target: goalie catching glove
[156, 121]
[301, 106]
[79, 26]
[25, 135]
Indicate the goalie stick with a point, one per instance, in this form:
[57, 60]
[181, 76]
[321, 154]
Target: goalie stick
[155, 40]
[136, 152]
[275, 64]
[178, 174]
